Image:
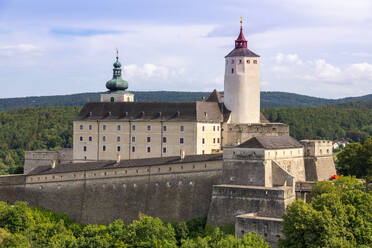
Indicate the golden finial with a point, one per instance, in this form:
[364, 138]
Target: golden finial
[241, 21]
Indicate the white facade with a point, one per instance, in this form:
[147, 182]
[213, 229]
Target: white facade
[117, 97]
[242, 89]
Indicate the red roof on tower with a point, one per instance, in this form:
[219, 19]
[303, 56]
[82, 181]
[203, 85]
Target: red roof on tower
[241, 45]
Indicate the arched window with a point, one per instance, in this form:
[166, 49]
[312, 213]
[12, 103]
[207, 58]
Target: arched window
[112, 99]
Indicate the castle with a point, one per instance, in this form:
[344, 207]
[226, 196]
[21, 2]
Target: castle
[217, 157]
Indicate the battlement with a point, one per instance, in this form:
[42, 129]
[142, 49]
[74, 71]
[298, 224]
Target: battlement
[317, 147]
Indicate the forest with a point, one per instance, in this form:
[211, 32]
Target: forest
[50, 128]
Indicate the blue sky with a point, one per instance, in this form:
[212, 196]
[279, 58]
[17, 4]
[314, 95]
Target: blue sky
[315, 47]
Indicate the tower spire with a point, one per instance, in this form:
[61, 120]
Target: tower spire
[241, 42]
[117, 83]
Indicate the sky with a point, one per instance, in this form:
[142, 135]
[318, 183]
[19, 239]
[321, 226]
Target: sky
[320, 48]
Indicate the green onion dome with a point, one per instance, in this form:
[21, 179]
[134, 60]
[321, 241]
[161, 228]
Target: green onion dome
[117, 83]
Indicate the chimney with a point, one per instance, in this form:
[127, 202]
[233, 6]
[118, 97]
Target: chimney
[182, 153]
[118, 159]
[203, 99]
[53, 165]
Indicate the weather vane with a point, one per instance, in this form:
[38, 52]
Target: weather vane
[117, 52]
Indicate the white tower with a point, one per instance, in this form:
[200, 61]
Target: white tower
[242, 83]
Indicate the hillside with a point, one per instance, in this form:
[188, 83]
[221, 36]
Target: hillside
[268, 99]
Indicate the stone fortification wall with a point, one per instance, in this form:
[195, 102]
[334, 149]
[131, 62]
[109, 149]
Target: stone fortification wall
[228, 201]
[34, 159]
[234, 134]
[171, 192]
[269, 228]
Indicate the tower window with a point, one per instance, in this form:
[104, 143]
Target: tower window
[104, 148]
[118, 139]
[148, 128]
[218, 128]
[254, 61]
[81, 138]
[240, 61]
[232, 70]
[164, 128]
[148, 149]
[118, 148]
[104, 138]
[134, 127]
[133, 139]
[214, 140]
[181, 140]
[119, 127]
[248, 61]
[133, 149]
[90, 138]
[182, 128]
[214, 128]
[81, 127]
[112, 99]
[218, 140]
[104, 127]
[164, 150]
[203, 141]
[203, 128]
[90, 127]
[164, 139]
[148, 139]
[85, 148]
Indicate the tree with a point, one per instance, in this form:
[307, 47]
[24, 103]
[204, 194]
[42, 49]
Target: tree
[356, 159]
[339, 215]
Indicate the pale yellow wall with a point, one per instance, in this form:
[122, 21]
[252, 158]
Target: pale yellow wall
[126, 97]
[211, 131]
[192, 139]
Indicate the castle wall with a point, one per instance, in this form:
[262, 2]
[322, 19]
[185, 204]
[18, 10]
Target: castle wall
[228, 201]
[268, 228]
[234, 134]
[171, 192]
[34, 159]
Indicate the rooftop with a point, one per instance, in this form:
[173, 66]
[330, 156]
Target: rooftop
[271, 142]
[99, 165]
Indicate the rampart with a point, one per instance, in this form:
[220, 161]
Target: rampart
[102, 192]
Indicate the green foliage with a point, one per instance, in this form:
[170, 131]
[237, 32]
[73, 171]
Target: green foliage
[23, 226]
[349, 121]
[356, 159]
[33, 129]
[339, 215]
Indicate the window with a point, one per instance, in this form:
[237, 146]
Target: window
[218, 128]
[232, 61]
[90, 138]
[214, 128]
[81, 127]
[203, 128]
[214, 140]
[118, 139]
[81, 138]
[254, 61]
[240, 61]
[148, 149]
[112, 99]
[119, 127]
[118, 148]
[104, 127]
[148, 128]
[104, 148]
[133, 139]
[164, 128]
[133, 149]
[164, 139]
[182, 128]
[90, 127]
[85, 149]
[103, 138]
[248, 61]
[218, 140]
[181, 140]
[128, 99]
[203, 152]
[203, 141]
[148, 139]
[164, 150]
[134, 127]
[232, 70]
